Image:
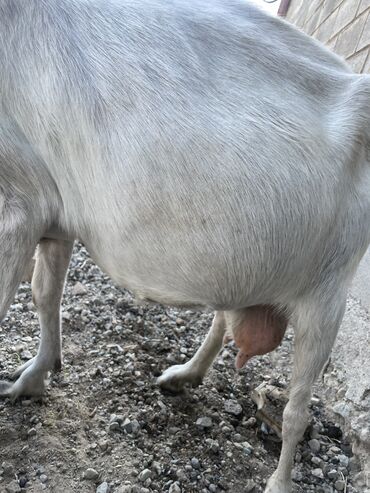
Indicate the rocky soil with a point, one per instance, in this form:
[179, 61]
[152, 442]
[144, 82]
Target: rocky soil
[104, 425]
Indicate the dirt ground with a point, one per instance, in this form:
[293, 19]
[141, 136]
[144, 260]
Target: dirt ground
[105, 426]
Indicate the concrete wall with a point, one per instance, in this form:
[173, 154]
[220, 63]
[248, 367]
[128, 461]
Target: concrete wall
[344, 25]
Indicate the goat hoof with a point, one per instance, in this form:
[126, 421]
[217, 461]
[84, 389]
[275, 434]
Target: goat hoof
[276, 485]
[30, 383]
[18, 372]
[5, 388]
[176, 377]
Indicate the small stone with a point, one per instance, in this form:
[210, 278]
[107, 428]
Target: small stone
[340, 485]
[335, 450]
[342, 409]
[103, 488]
[174, 488]
[297, 476]
[315, 431]
[114, 426]
[195, 464]
[213, 445]
[13, 487]
[233, 407]
[91, 474]
[204, 422]
[131, 426]
[250, 422]
[317, 461]
[315, 401]
[43, 478]
[8, 468]
[79, 289]
[144, 475]
[250, 486]
[332, 474]
[181, 476]
[31, 432]
[26, 355]
[124, 489]
[317, 473]
[118, 418]
[314, 445]
[103, 444]
[343, 460]
[247, 447]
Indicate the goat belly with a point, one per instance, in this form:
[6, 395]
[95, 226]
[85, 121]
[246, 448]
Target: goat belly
[260, 332]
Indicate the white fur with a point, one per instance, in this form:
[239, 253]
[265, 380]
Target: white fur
[206, 153]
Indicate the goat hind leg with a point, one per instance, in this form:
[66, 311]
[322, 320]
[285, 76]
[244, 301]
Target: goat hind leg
[315, 333]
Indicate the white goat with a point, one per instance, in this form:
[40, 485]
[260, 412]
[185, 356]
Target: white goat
[206, 153]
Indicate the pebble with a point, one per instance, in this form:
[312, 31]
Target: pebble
[250, 422]
[144, 475]
[103, 444]
[79, 289]
[114, 426]
[91, 474]
[250, 486]
[317, 473]
[204, 422]
[340, 485]
[314, 445]
[103, 488]
[317, 461]
[332, 474]
[116, 418]
[195, 464]
[233, 407]
[8, 469]
[31, 432]
[343, 460]
[43, 478]
[26, 355]
[297, 475]
[335, 450]
[131, 426]
[174, 488]
[213, 445]
[124, 489]
[180, 474]
[13, 487]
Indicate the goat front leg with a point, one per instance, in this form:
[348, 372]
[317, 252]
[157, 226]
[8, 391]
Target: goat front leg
[48, 280]
[193, 372]
[316, 330]
[18, 240]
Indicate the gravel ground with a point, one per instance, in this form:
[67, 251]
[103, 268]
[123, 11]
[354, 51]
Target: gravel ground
[104, 426]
